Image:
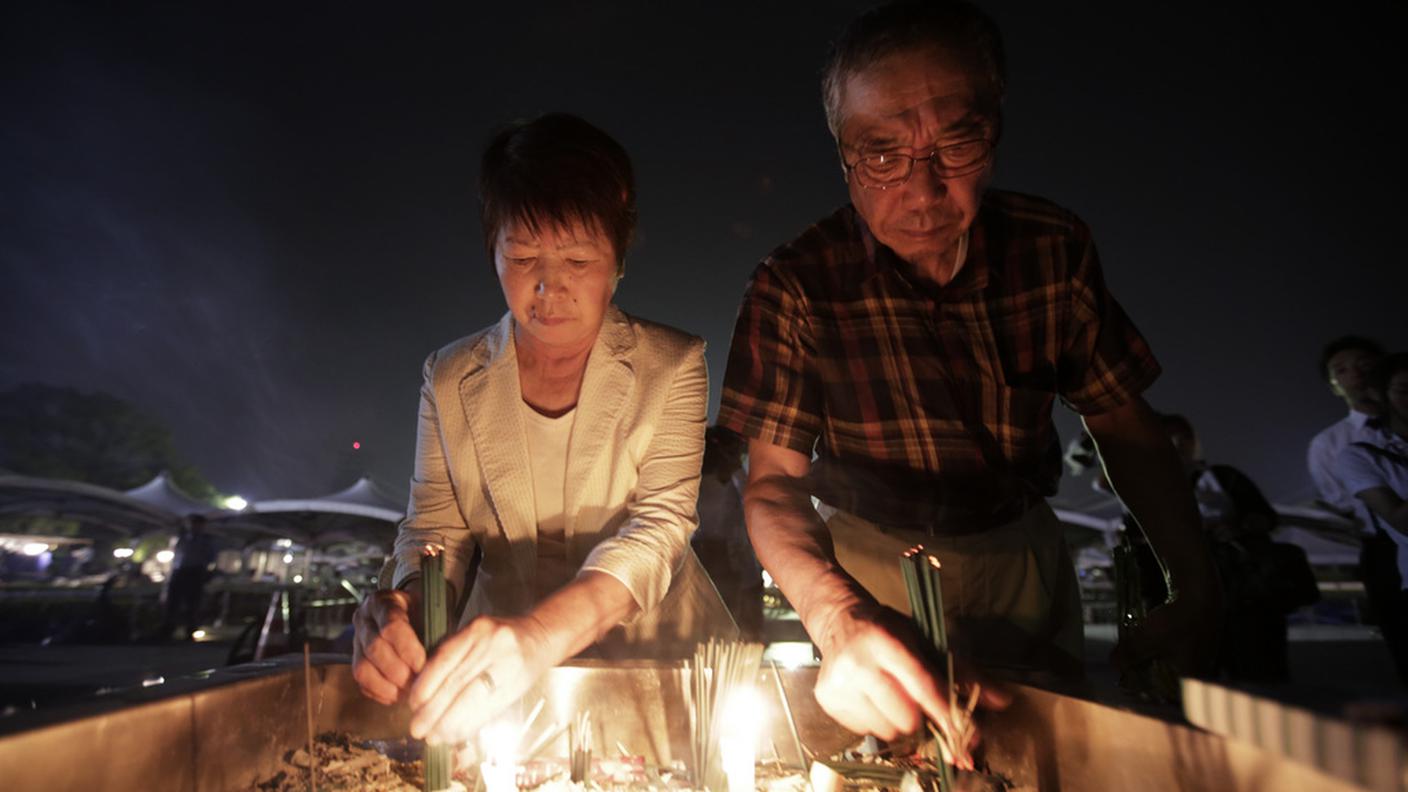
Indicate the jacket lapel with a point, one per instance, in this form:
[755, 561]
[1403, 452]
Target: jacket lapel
[490, 395]
[606, 389]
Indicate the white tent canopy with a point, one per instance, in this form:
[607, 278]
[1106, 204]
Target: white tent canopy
[91, 505]
[162, 493]
[364, 498]
[361, 513]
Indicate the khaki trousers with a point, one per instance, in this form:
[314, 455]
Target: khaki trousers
[1011, 601]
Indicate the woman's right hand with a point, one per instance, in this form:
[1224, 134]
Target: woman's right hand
[386, 652]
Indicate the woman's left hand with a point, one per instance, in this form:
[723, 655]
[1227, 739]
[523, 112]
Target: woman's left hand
[474, 675]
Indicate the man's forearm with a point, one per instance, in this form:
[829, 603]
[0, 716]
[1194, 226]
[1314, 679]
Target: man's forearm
[794, 545]
[1388, 507]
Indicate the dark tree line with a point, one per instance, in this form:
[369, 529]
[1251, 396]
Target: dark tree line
[95, 438]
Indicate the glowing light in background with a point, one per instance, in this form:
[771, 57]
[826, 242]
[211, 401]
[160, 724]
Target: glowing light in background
[165, 556]
[288, 558]
[356, 445]
[198, 635]
[297, 578]
[790, 654]
[122, 552]
[34, 548]
[236, 503]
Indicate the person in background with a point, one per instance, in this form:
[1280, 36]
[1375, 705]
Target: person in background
[1263, 580]
[1081, 457]
[190, 570]
[722, 538]
[1345, 364]
[899, 361]
[1374, 469]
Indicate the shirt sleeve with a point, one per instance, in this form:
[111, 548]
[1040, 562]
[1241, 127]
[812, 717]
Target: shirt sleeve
[433, 514]
[1322, 464]
[650, 545]
[1358, 471]
[770, 391]
[1105, 361]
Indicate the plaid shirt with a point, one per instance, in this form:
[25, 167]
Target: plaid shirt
[924, 397]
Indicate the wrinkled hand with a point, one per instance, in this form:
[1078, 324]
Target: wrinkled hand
[1185, 632]
[475, 674]
[872, 681]
[386, 653]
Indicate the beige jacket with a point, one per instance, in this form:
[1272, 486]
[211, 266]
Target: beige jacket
[632, 476]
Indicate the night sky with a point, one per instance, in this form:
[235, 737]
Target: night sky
[255, 222]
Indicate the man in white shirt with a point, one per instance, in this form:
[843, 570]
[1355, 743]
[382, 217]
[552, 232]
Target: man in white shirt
[1374, 469]
[1346, 365]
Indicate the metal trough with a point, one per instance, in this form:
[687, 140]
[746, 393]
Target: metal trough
[226, 729]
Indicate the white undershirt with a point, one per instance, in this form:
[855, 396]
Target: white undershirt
[547, 458]
[960, 257]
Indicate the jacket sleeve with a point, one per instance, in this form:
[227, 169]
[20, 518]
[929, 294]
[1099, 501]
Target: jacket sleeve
[433, 513]
[650, 545]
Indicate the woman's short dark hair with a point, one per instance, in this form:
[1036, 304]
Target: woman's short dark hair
[1342, 344]
[1388, 368]
[953, 26]
[557, 169]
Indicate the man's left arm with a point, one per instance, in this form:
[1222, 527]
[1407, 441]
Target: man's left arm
[1149, 478]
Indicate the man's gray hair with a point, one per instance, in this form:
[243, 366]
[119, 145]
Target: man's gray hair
[954, 27]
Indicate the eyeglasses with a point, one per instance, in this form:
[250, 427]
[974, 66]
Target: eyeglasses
[886, 171]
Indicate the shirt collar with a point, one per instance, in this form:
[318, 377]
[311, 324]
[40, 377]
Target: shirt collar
[1377, 430]
[1358, 418]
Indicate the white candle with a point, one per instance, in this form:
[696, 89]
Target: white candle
[738, 738]
[499, 746]
[498, 778]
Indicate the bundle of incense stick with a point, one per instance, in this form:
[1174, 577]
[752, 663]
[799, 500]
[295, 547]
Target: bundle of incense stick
[926, 607]
[435, 618]
[579, 739]
[926, 596]
[719, 669]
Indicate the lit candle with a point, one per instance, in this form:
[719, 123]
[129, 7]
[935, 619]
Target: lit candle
[499, 745]
[738, 738]
[498, 778]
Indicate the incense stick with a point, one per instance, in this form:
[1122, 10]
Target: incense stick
[924, 585]
[308, 699]
[718, 670]
[579, 742]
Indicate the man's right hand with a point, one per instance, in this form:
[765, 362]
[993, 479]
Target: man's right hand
[873, 682]
[386, 653]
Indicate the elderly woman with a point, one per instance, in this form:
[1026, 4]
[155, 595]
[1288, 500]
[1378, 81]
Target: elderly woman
[561, 446]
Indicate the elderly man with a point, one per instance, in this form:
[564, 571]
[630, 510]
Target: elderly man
[899, 360]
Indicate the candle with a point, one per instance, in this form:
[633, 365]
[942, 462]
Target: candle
[498, 778]
[738, 738]
[499, 746]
